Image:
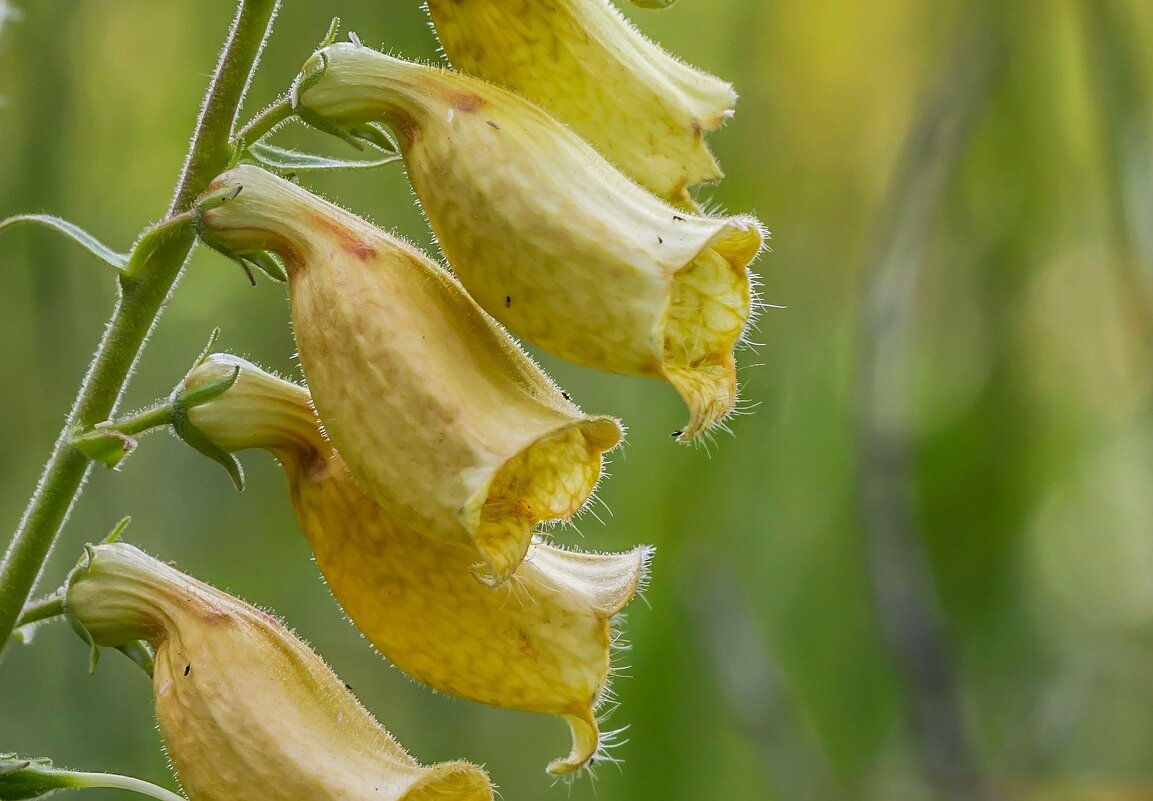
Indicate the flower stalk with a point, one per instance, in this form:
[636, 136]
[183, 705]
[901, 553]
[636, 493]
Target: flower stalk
[141, 299]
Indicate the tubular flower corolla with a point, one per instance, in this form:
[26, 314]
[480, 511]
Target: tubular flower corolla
[433, 407]
[248, 712]
[549, 237]
[541, 642]
[645, 110]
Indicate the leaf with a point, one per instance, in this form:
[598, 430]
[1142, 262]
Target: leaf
[111, 258]
[106, 446]
[285, 160]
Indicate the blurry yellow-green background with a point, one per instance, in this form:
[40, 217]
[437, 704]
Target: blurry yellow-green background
[927, 553]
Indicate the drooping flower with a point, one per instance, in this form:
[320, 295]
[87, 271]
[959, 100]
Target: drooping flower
[247, 711]
[433, 407]
[549, 237]
[540, 643]
[645, 110]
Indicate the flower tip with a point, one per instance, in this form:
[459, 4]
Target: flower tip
[585, 742]
[709, 312]
[602, 434]
[451, 781]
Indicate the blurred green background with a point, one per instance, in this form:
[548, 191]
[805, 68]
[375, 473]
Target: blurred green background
[923, 568]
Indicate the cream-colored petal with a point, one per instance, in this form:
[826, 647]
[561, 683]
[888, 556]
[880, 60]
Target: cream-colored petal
[582, 61]
[434, 408]
[247, 711]
[549, 237]
[541, 642]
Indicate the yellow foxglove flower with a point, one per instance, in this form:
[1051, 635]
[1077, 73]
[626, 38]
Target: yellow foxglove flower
[643, 109]
[248, 712]
[550, 238]
[540, 643]
[435, 409]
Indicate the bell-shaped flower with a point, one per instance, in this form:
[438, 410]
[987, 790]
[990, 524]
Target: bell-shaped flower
[540, 643]
[434, 408]
[645, 110]
[247, 711]
[550, 238]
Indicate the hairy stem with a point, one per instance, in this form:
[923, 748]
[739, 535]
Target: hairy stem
[264, 122]
[44, 609]
[142, 296]
[114, 782]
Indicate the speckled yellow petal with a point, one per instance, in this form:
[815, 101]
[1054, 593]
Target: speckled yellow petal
[550, 238]
[642, 108]
[541, 642]
[248, 712]
[434, 408]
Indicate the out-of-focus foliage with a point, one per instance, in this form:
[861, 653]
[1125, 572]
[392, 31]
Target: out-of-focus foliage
[761, 670]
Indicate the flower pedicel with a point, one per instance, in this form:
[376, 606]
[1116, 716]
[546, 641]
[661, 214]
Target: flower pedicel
[550, 238]
[248, 712]
[540, 643]
[433, 407]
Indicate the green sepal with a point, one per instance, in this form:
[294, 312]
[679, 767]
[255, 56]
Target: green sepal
[25, 779]
[330, 36]
[306, 80]
[117, 531]
[109, 257]
[284, 160]
[141, 653]
[191, 435]
[187, 398]
[375, 135]
[208, 348]
[78, 573]
[267, 264]
[213, 200]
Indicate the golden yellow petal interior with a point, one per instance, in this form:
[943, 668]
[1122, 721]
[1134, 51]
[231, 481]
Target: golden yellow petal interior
[710, 304]
[453, 781]
[550, 480]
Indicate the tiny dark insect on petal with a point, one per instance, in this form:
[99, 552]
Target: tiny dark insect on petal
[187, 668]
[677, 433]
[678, 218]
[661, 239]
[493, 125]
[567, 396]
[508, 301]
[348, 686]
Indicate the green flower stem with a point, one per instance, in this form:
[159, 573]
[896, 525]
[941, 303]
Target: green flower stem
[162, 414]
[112, 781]
[264, 123]
[142, 295]
[44, 609]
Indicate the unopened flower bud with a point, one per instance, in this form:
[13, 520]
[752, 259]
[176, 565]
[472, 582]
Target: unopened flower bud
[435, 409]
[550, 238]
[540, 643]
[642, 108]
[248, 712]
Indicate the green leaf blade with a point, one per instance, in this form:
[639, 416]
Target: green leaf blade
[111, 258]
